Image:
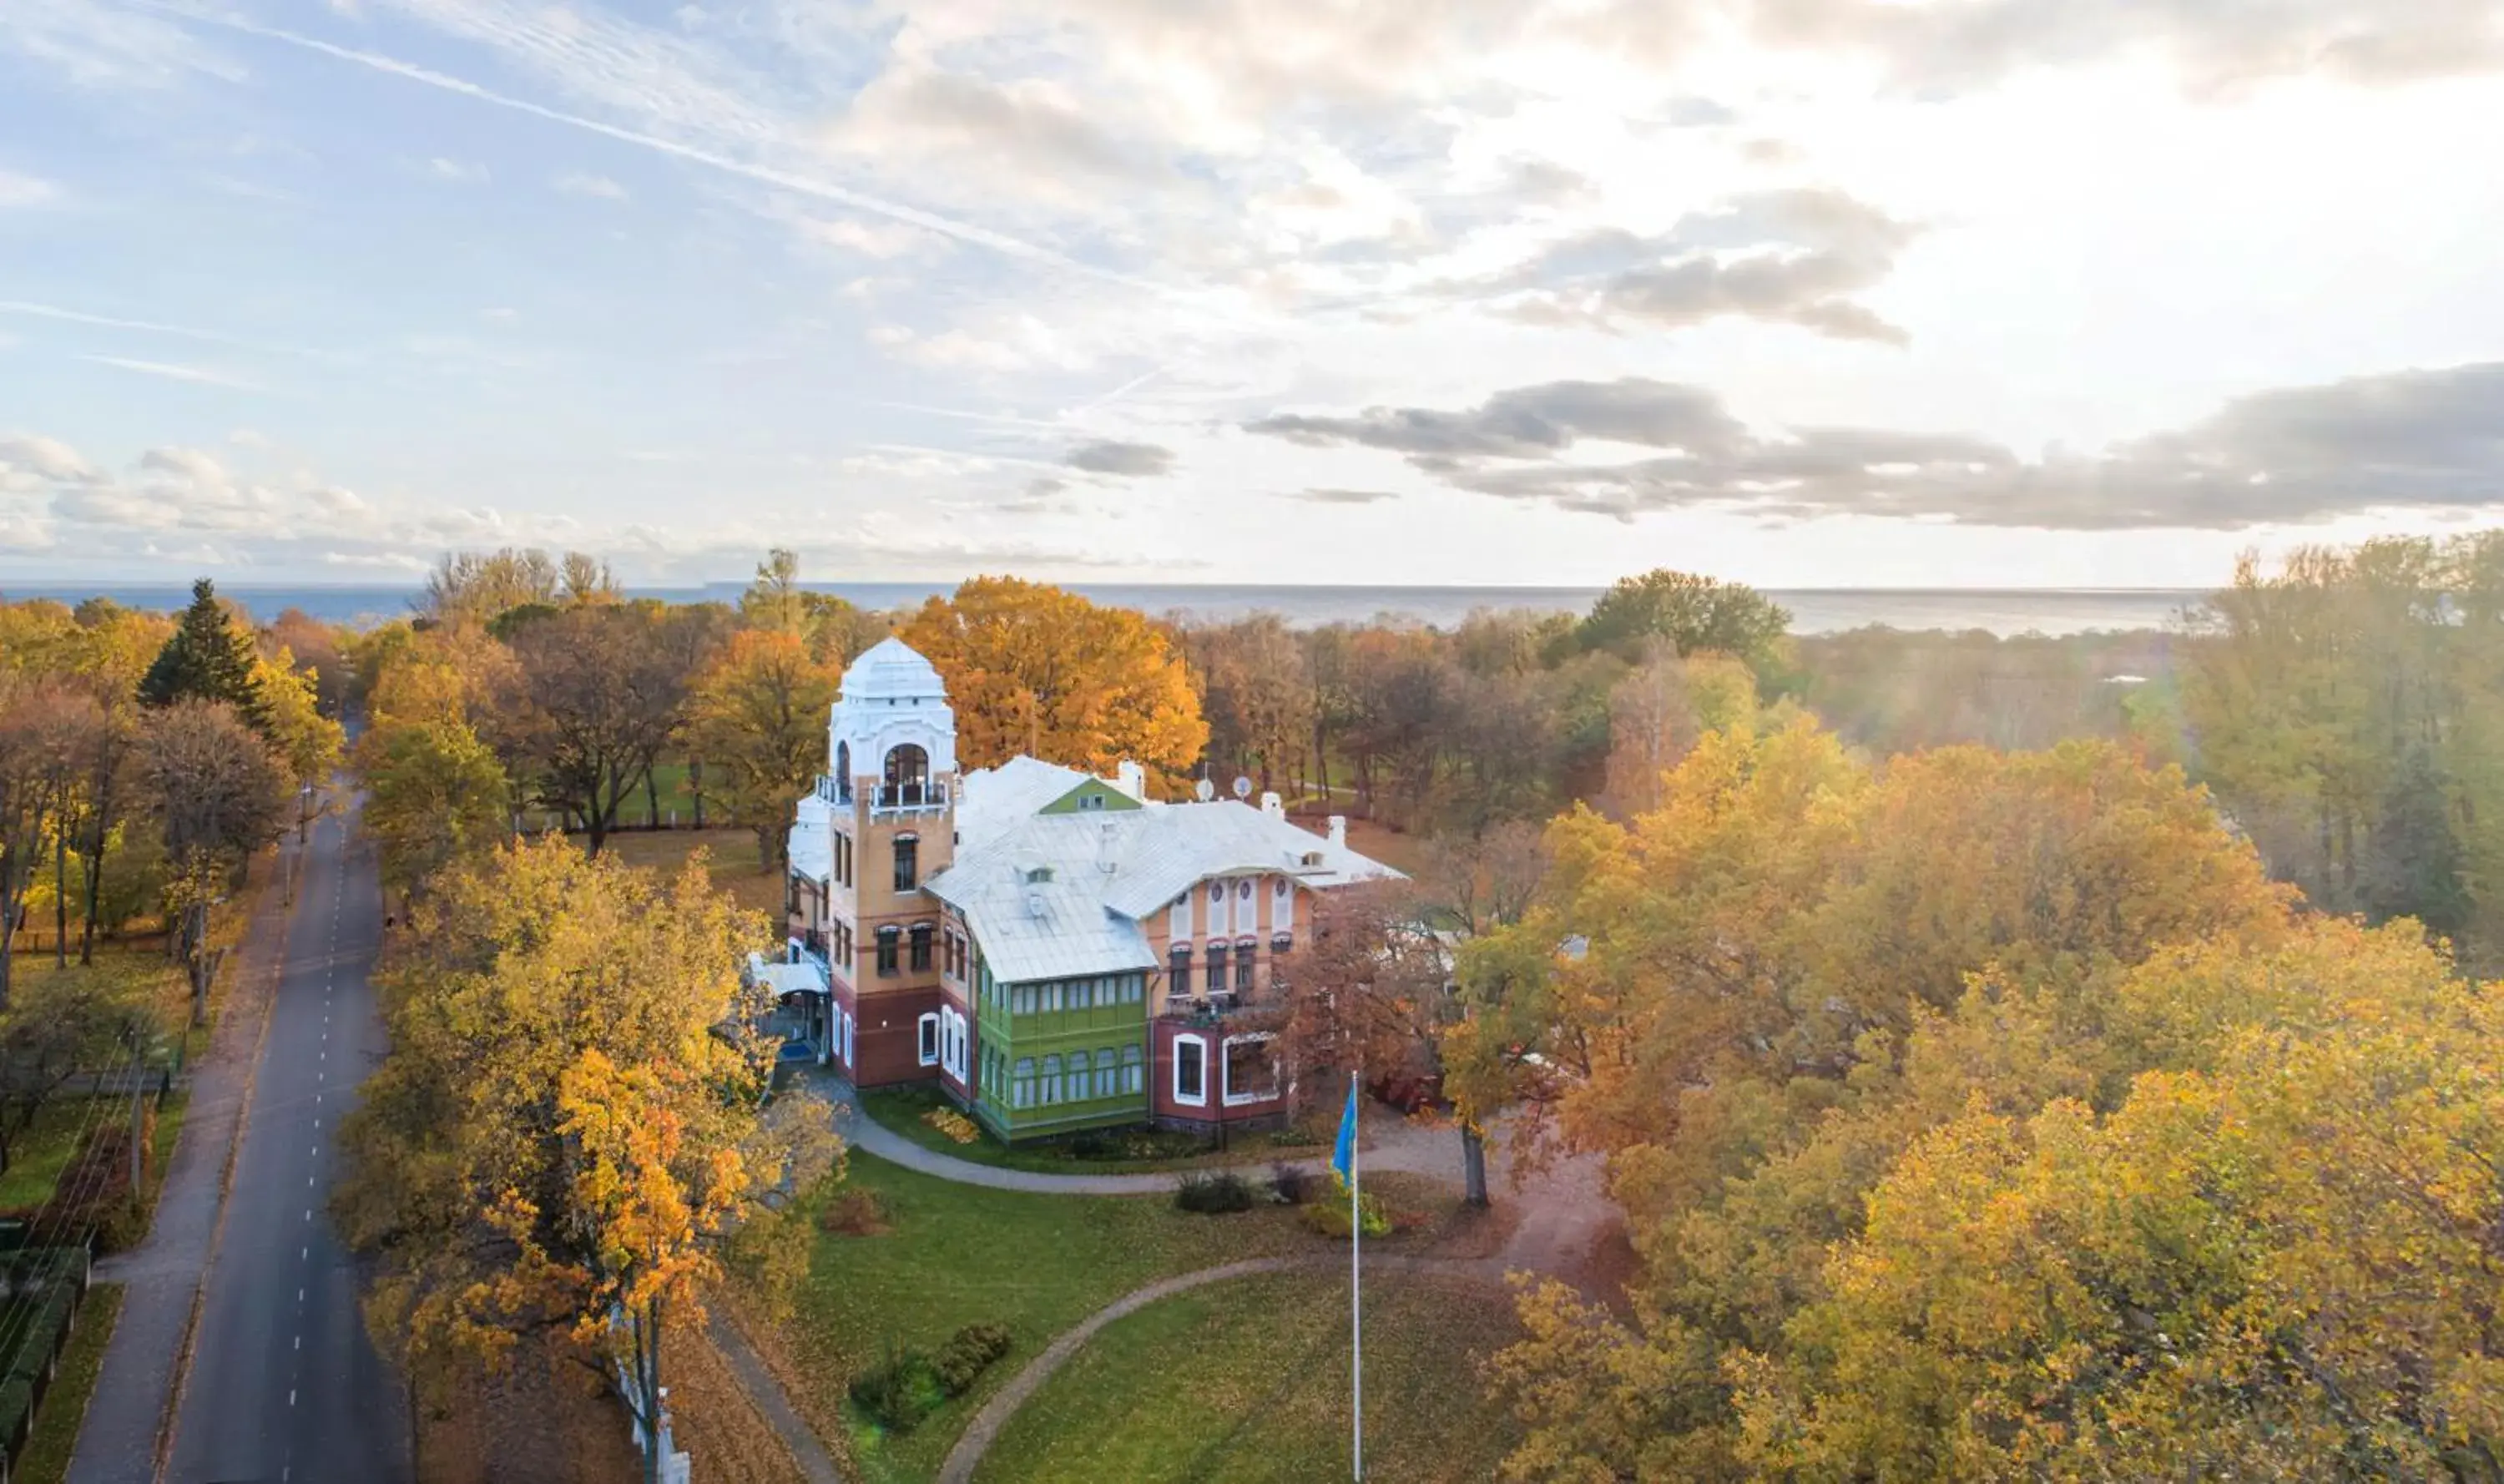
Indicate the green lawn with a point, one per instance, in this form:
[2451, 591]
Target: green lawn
[1248, 1381]
[959, 1255]
[734, 864]
[38, 1155]
[900, 1110]
[47, 1456]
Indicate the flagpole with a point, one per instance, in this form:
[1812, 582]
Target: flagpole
[1355, 1288]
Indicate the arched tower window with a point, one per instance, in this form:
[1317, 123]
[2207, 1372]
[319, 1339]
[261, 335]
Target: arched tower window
[908, 775]
[844, 771]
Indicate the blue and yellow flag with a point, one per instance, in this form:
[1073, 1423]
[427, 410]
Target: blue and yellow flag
[1343, 1157]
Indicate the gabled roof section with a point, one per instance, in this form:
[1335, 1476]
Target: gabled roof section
[991, 800]
[1075, 800]
[891, 670]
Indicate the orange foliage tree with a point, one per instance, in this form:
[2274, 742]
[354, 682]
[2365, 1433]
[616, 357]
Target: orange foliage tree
[1032, 668]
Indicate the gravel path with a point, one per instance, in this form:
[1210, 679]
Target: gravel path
[816, 1464]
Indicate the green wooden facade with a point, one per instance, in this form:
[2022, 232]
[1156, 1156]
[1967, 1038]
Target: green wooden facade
[1059, 1055]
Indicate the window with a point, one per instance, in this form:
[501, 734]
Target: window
[1178, 924]
[1091, 801]
[1190, 1070]
[886, 937]
[1103, 992]
[922, 948]
[908, 866]
[1021, 1000]
[1251, 1077]
[1052, 1079]
[1108, 1072]
[1037, 875]
[953, 1040]
[1022, 1083]
[1217, 968]
[1282, 906]
[929, 1044]
[908, 776]
[1179, 976]
[1244, 890]
[1132, 988]
[1052, 997]
[1281, 945]
[1243, 967]
[1133, 1070]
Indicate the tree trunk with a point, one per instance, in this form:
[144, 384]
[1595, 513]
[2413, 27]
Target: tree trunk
[60, 899]
[695, 786]
[95, 866]
[651, 800]
[1473, 1190]
[196, 939]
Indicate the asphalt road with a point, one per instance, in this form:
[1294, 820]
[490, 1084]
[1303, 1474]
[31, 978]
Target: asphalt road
[284, 1385]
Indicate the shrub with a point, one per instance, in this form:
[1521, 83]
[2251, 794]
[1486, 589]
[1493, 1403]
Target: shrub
[1213, 1195]
[899, 1390]
[1328, 1215]
[907, 1386]
[1291, 1185]
[1293, 1137]
[855, 1212]
[968, 1353]
[959, 1128]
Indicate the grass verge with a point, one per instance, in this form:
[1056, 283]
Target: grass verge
[47, 1456]
[1247, 1382]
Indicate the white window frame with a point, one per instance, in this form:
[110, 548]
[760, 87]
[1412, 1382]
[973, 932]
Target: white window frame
[1199, 1044]
[1225, 1079]
[926, 1040]
[1282, 907]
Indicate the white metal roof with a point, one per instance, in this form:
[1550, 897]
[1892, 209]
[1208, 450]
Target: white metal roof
[891, 670]
[1105, 872]
[810, 841]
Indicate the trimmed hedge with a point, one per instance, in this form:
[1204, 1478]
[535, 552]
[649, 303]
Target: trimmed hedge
[1214, 1194]
[908, 1386]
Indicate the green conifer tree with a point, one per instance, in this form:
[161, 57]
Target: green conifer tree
[209, 657]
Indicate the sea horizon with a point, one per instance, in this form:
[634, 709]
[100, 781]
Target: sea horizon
[2002, 610]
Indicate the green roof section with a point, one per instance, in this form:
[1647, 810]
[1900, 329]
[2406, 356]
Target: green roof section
[1094, 796]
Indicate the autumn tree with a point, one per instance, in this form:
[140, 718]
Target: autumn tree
[434, 795]
[62, 1024]
[219, 794]
[306, 740]
[1034, 669]
[758, 719]
[835, 631]
[573, 1113]
[210, 657]
[1692, 613]
[317, 651]
[1256, 695]
[592, 702]
[475, 587]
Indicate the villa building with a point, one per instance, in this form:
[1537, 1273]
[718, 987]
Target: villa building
[1056, 950]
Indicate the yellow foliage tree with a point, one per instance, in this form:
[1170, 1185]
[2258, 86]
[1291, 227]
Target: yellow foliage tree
[573, 1114]
[1035, 669]
[757, 718]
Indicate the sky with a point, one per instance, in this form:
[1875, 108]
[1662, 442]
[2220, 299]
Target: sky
[1798, 293]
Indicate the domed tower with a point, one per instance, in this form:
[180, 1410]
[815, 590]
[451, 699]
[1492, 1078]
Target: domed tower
[891, 749]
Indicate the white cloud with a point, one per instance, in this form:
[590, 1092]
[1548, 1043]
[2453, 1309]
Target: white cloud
[200, 375]
[584, 184]
[18, 191]
[456, 172]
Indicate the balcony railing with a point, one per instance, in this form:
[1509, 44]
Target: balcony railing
[907, 798]
[886, 798]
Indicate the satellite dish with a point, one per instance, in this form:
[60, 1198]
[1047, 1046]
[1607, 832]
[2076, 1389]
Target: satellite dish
[1205, 790]
[1242, 787]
